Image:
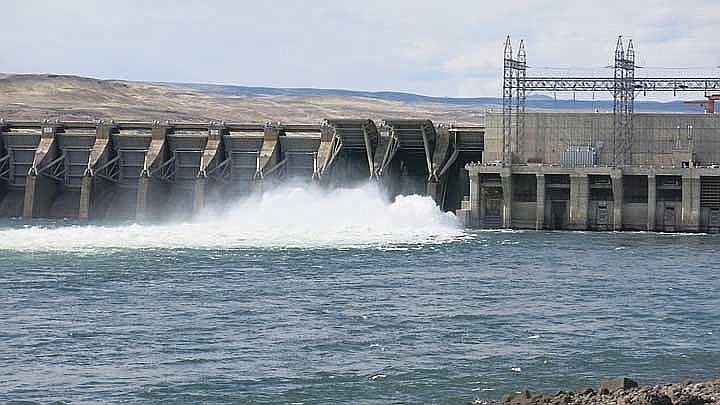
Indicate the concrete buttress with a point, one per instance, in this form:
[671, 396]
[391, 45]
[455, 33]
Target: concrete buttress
[579, 195]
[436, 180]
[540, 199]
[40, 190]
[652, 201]
[211, 154]
[326, 151]
[269, 159]
[616, 178]
[383, 154]
[691, 201]
[474, 199]
[370, 149]
[427, 131]
[506, 182]
[153, 157]
[99, 150]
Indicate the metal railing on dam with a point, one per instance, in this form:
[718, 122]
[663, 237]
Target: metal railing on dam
[108, 169]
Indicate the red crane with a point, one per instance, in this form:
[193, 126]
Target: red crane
[708, 104]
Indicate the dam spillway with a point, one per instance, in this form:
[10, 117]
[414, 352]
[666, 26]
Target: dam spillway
[150, 170]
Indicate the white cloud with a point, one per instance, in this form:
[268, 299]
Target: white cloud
[438, 48]
[474, 87]
[484, 57]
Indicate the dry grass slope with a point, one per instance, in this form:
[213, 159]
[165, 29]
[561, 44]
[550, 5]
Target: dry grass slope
[33, 97]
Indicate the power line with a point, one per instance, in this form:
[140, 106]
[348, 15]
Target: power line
[679, 68]
[567, 67]
[611, 67]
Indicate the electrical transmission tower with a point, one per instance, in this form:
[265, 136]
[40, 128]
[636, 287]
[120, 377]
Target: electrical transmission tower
[623, 86]
[514, 75]
[623, 103]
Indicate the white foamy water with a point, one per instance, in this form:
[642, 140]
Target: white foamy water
[291, 216]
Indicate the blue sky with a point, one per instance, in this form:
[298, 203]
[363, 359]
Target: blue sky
[439, 48]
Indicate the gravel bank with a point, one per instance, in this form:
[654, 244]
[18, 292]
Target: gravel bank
[622, 391]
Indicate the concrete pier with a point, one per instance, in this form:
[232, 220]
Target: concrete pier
[100, 152]
[691, 201]
[651, 201]
[40, 190]
[474, 206]
[269, 156]
[152, 172]
[616, 179]
[540, 201]
[507, 190]
[579, 193]
[212, 152]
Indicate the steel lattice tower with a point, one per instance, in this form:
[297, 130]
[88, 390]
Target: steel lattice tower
[623, 102]
[520, 75]
[508, 73]
[629, 108]
[514, 74]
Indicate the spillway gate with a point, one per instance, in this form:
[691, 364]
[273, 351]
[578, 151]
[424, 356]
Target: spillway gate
[141, 170]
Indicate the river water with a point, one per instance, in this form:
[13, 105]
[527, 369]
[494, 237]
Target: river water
[311, 297]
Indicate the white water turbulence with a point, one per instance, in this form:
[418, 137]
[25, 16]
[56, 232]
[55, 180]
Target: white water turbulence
[292, 216]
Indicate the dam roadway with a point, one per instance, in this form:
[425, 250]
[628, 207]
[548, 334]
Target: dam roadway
[149, 170]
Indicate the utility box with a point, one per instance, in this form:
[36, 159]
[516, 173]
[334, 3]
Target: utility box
[575, 156]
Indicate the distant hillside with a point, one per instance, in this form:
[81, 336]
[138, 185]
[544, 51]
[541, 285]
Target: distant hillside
[230, 90]
[534, 101]
[79, 98]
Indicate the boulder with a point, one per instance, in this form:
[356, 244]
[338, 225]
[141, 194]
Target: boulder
[617, 384]
[654, 398]
[521, 398]
[690, 399]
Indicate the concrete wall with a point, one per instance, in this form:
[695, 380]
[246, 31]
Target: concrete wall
[676, 199]
[524, 215]
[635, 216]
[655, 141]
[671, 181]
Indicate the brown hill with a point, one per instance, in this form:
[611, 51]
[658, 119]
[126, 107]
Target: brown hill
[32, 97]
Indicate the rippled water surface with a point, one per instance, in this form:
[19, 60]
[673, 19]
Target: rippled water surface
[384, 315]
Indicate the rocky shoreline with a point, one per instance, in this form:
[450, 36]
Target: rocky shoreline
[621, 391]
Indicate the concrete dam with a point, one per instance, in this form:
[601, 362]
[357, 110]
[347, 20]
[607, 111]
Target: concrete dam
[152, 170]
[560, 172]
